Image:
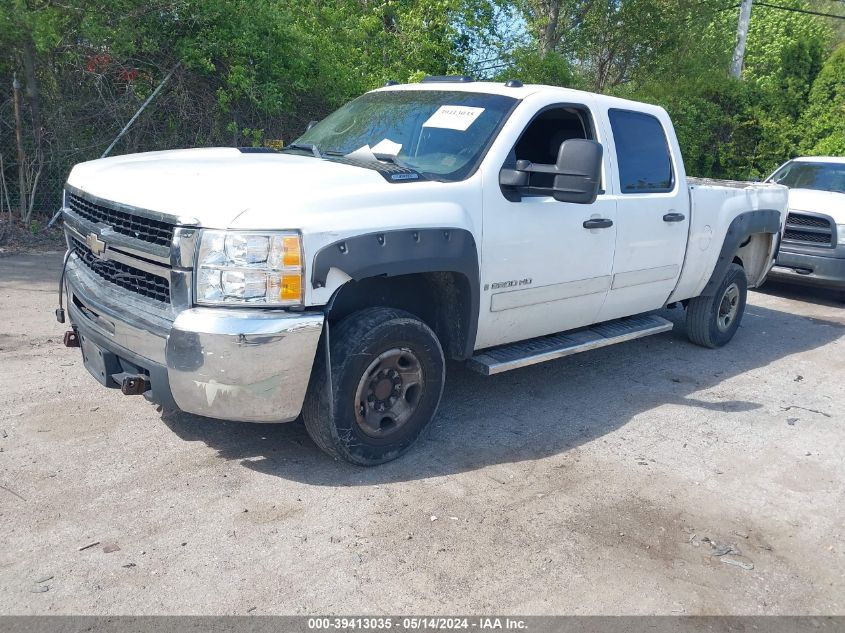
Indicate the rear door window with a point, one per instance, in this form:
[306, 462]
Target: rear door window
[642, 153]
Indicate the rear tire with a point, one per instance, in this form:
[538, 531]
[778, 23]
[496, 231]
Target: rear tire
[712, 321]
[387, 376]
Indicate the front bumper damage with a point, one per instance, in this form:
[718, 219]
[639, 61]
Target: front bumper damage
[242, 364]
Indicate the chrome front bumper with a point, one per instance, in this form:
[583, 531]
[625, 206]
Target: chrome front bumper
[248, 365]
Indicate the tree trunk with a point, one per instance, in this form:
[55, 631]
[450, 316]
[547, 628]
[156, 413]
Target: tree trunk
[33, 91]
[33, 97]
[549, 36]
[16, 89]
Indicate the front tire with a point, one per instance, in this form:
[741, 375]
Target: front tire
[712, 321]
[387, 377]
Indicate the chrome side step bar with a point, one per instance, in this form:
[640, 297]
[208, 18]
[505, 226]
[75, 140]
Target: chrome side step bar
[538, 350]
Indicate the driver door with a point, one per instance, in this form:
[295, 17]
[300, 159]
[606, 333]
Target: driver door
[543, 269]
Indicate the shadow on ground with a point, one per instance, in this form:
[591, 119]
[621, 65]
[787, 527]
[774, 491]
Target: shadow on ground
[797, 292]
[536, 411]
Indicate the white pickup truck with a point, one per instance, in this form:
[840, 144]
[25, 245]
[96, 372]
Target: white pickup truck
[497, 224]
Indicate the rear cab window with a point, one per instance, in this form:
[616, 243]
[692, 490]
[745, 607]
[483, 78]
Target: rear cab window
[642, 152]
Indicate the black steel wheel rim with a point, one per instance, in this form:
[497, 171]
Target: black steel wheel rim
[728, 308]
[389, 393]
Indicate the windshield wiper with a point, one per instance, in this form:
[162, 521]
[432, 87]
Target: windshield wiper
[391, 158]
[388, 158]
[308, 147]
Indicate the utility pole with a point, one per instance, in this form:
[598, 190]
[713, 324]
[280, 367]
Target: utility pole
[741, 38]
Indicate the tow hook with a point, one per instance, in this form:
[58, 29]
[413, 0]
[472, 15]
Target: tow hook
[134, 385]
[71, 339]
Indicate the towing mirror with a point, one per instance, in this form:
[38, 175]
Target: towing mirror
[577, 172]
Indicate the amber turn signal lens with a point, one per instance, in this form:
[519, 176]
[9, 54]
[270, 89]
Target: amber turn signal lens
[292, 255]
[291, 288]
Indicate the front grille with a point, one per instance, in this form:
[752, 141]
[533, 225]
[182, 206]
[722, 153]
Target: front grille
[809, 229]
[133, 279]
[137, 226]
[799, 219]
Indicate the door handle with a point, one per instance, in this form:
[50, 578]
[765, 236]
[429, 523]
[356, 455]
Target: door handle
[674, 217]
[597, 223]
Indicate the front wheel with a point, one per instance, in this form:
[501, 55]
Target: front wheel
[387, 376]
[712, 321]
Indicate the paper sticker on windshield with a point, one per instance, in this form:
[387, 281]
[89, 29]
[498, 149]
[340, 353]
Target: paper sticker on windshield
[452, 117]
[386, 146]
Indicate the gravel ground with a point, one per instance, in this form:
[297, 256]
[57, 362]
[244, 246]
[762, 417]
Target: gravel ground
[608, 482]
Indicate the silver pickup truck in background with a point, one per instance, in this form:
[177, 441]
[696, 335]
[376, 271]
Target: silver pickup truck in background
[813, 249]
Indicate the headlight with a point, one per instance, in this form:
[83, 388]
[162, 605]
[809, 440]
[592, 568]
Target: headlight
[840, 234]
[235, 267]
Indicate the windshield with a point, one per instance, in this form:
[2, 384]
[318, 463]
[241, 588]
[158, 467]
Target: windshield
[441, 134]
[821, 176]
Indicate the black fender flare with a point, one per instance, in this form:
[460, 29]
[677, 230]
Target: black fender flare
[741, 229]
[405, 252]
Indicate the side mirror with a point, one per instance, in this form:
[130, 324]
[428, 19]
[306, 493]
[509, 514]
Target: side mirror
[311, 124]
[577, 172]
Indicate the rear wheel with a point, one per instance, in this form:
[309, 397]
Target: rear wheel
[387, 376]
[712, 321]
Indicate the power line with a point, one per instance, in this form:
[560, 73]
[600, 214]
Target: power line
[796, 10]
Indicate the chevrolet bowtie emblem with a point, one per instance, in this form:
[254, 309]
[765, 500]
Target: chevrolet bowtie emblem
[97, 246]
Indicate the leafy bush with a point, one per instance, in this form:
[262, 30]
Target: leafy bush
[823, 123]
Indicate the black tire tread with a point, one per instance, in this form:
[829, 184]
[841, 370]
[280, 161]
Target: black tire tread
[698, 325]
[343, 341]
[699, 319]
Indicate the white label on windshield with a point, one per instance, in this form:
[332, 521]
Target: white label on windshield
[453, 117]
[386, 146]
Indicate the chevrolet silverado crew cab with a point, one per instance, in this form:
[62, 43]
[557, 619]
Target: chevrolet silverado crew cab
[497, 224]
[813, 250]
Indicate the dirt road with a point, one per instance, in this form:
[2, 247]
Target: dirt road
[606, 482]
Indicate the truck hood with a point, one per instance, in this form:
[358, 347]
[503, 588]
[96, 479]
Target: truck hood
[828, 202]
[217, 185]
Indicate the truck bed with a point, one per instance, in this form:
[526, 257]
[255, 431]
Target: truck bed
[733, 184]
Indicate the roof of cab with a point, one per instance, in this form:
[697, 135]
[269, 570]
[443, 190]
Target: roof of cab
[520, 92]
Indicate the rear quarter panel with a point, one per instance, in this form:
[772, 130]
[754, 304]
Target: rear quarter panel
[714, 205]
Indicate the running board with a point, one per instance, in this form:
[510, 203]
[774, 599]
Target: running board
[538, 350]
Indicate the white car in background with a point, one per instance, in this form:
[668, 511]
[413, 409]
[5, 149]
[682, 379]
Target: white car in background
[813, 248]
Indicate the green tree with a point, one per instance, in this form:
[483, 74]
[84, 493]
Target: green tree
[823, 122]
